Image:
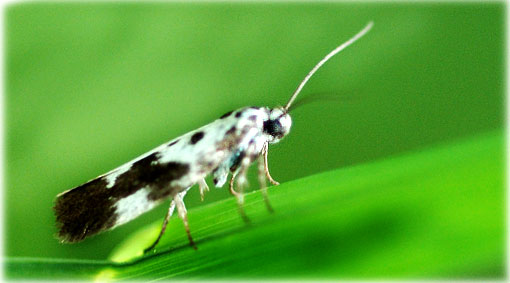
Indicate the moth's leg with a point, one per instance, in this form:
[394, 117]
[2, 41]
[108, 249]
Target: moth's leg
[163, 228]
[183, 214]
[262, 182]
[202, 185]
[240, 199]
[231, 185]
[266, 167]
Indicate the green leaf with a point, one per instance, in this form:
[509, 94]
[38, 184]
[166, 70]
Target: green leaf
[48, 268]
[435, 213]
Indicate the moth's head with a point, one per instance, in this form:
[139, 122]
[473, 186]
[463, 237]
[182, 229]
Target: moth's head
[277, 125]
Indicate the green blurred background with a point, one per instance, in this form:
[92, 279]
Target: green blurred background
[90, 86]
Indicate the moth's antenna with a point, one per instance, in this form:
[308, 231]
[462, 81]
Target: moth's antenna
[324, 60]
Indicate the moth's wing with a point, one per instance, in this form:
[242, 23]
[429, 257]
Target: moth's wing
[122, 194]
[126, 192]
[114, 198]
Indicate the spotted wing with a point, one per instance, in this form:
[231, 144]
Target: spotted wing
[138, 186]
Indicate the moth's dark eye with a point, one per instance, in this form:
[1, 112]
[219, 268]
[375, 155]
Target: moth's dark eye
[273, 128]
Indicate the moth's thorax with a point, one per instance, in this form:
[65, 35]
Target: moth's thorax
[277, 124]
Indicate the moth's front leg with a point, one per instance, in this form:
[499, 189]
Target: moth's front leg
[266, 166]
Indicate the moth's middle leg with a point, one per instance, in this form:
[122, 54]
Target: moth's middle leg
[242, 182]
[163, 227]
[262, 182]
[263, 173]
[240, 198]
[183, 214]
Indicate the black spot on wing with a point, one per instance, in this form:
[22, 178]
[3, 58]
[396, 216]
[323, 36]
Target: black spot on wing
[230, 131]
[226, 115]
[90, 208]
[167, 173]
[150, 173]
[196, 137]
[172, 143]
[240, 112]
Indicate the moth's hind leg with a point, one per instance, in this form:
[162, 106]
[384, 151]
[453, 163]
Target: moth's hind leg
[169, 213]
[163, 227]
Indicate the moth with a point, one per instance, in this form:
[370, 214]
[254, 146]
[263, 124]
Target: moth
[224, 147]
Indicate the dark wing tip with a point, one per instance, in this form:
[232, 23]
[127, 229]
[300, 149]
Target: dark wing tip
[68, 227]
[84, 211]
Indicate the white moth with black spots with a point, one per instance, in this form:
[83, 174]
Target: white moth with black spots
[226, 146]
